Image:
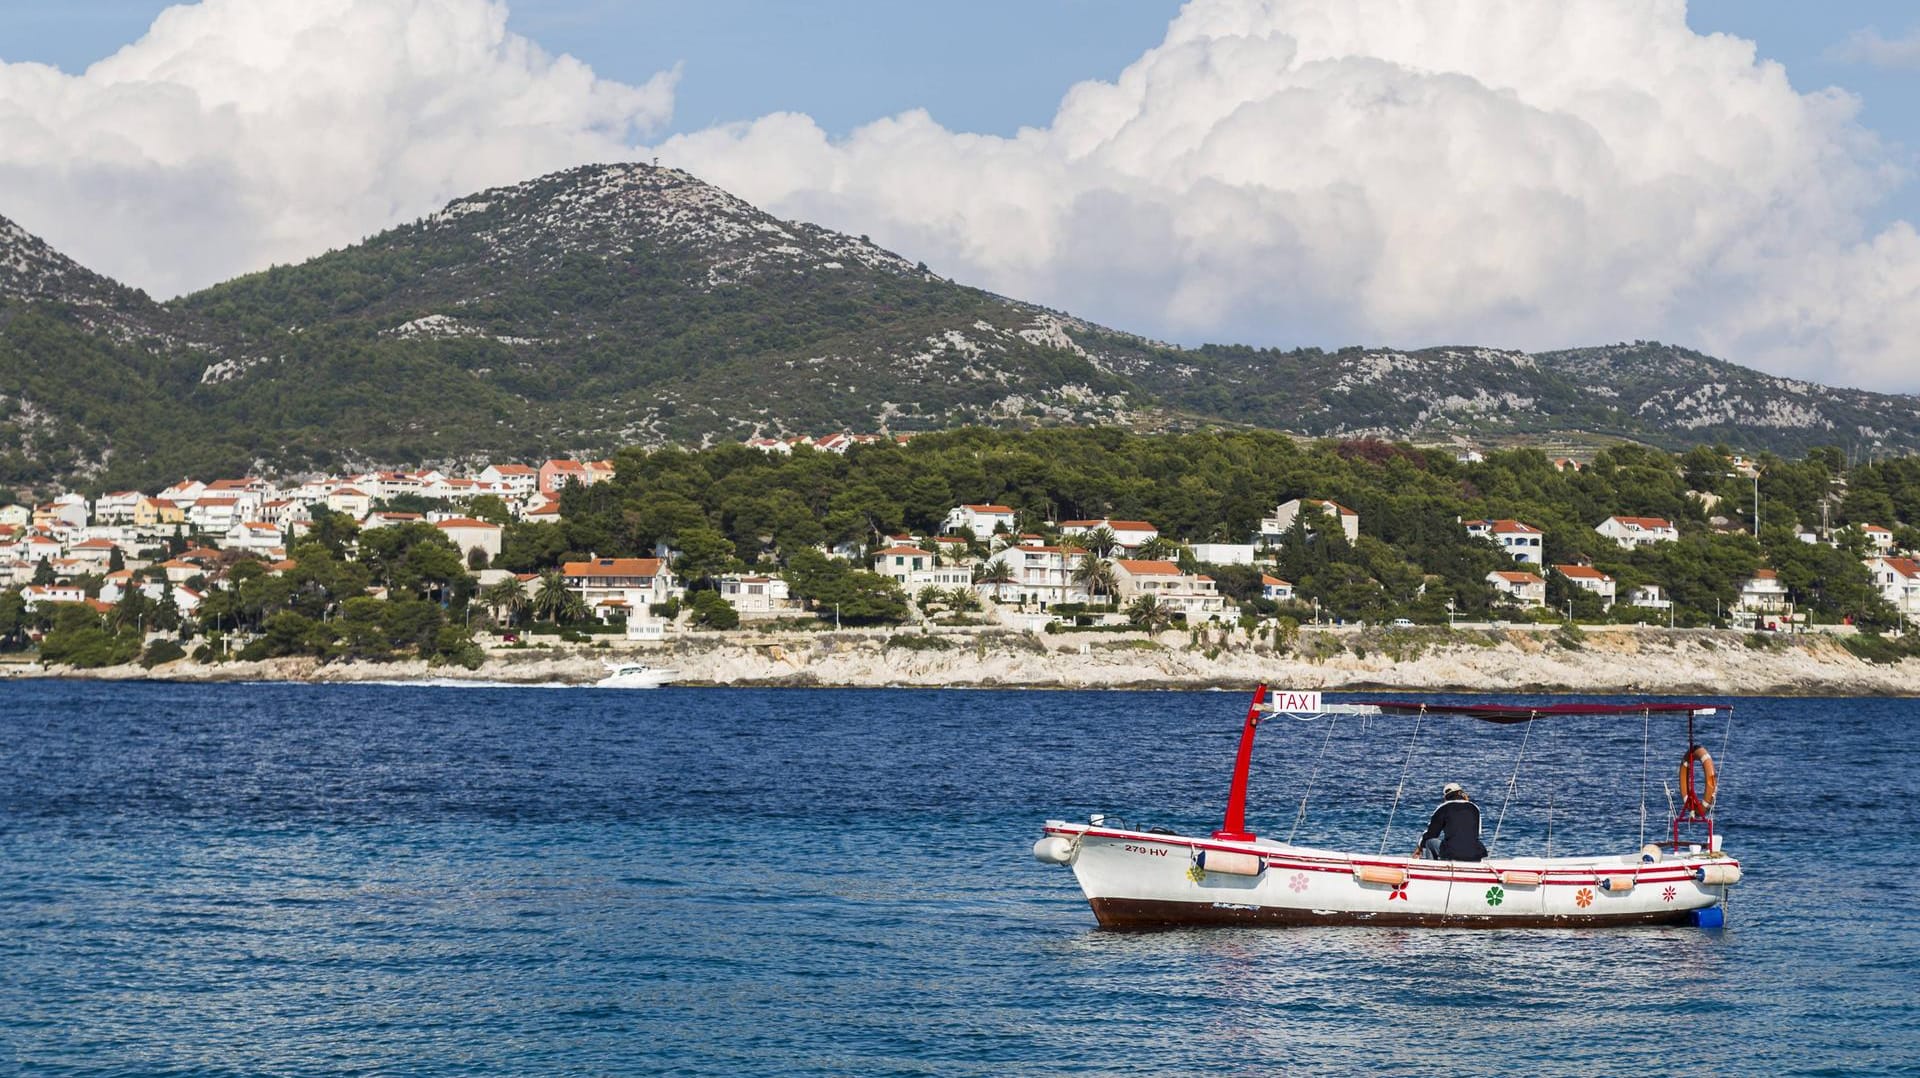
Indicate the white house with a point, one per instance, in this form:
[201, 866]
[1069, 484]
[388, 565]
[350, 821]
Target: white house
[981, 520]
[39, 595]
[634, 582]
[1899, 582]
[1194, 596]
[15, 516]
[1040, 574]
[1763, 593]
[254, 535]
[514, 479]
[472, 535]
[1272, 587]
[1223, 553]
[352, 501]
[1650, 596]
[1275, 527]
[914, 568]
[1521, 541]
[1130, 533]
[751, 595]
[1586, 576]
[93, 555]
[118, 505]
[1881, 539]
[1632, 532]
[1524, 589]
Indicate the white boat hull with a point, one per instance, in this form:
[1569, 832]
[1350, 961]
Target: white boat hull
[642, 679]
[1139, 880]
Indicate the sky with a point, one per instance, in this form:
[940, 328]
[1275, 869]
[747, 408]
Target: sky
[1736, 175]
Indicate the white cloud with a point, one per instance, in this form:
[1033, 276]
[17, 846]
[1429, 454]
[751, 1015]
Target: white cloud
[238, 133]
[1332, 171]
[1868, 47]
[1508, 172]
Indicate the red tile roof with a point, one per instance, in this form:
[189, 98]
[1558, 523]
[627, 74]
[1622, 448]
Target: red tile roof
[1581, 572]
[613, 567]
[1147, 568]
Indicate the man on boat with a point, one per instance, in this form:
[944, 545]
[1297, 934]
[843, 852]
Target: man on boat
[1453, 834]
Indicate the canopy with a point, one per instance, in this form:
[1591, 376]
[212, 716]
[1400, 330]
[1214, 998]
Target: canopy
[1510, 713]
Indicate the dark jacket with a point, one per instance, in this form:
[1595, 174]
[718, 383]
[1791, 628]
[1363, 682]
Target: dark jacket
[1460, 822]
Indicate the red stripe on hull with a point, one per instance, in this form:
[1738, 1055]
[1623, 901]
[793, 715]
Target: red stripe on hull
[1139, 914]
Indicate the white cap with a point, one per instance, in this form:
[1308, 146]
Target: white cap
[1453, 788]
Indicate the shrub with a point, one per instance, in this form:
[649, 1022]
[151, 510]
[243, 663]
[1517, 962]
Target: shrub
[712, 610]
[162, 651]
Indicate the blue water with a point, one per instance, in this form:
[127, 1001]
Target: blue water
[243, 880]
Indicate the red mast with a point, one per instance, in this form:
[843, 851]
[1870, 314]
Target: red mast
[1234, 827]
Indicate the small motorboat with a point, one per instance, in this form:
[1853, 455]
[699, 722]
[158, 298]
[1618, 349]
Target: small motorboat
[636, 676]
[1142, 879]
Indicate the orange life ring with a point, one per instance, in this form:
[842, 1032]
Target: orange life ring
[1697, 802]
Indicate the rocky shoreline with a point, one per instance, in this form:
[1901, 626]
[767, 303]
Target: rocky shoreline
[1629, 660]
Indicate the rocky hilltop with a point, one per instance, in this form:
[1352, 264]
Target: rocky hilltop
[627, 304]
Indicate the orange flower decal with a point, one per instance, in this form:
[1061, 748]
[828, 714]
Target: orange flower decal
[1583, 897]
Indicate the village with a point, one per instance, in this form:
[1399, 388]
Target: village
[988, 565]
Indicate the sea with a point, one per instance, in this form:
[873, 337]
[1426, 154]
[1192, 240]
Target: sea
[273, 879]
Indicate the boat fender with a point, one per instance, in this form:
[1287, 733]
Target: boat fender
[1054, 850]
[1711, 917]
[1618, 885]
[1717, 875]
[1231, 863]
[1520, 879]
[1650, 854]
[1698, 783]
[1392, 877]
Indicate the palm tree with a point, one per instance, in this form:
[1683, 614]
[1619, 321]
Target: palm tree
[996, 573]
[1097, 576]
[1158, 548]
[550, 599]
[510, 596]
[1101, 541]
[1149, 613]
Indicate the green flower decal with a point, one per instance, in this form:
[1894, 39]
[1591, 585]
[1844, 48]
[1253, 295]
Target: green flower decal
[1495, 895]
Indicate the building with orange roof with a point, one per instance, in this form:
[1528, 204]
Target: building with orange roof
[1898, 580]
[638, 582]
[982, 520]
[1523, 589]
[1522, 542]
[1194, 595]
[1593, 580]
[1633, 532]
[473, 537]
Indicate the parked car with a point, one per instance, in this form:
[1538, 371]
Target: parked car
[1403, 623]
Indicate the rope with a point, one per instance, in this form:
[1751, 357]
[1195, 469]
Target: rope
[1646, 732]
[1301, 816]
[1725, 737]
[1512, 780]
[1415, 740]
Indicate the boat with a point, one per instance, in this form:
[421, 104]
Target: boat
[636, 676]
[1151, 878]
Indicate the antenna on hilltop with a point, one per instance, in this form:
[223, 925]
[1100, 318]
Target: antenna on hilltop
[656, 160]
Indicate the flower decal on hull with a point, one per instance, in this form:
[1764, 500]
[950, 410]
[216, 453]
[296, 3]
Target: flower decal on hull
[1668, 895]
[1495, 895]
[1583, 897]
[1298, 883]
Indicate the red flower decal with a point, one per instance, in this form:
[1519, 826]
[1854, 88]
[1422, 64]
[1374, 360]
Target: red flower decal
[1400, 893]
[1667, 895]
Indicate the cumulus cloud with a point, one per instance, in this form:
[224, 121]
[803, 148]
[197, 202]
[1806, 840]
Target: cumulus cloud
[1869, 47]
[1508, 172]
[239, 133]
[1332, 171]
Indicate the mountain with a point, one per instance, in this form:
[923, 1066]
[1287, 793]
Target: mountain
[1645, 391]
[627, 304]
[91, 374]
[618, 304]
